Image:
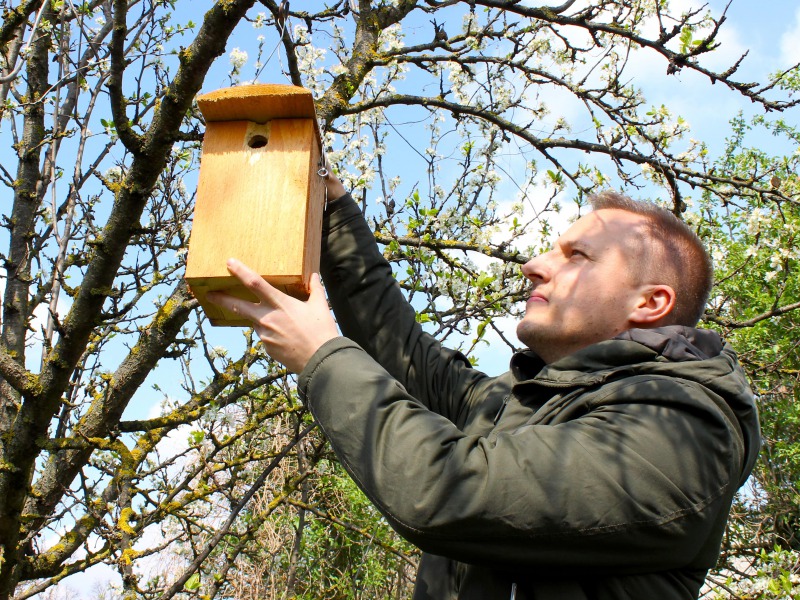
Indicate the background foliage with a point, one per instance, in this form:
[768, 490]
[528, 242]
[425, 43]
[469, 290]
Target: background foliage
[133, 435]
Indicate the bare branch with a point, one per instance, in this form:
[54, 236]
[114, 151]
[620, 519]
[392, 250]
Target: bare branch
[675, 60]
[14, 18]
[22, 380]
[439, 244]
[133, 141]
[753, 321]
[177, 586]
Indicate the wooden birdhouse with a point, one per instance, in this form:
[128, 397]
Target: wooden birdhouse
[259, 197]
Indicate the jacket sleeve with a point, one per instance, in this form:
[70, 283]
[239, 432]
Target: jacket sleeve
[641, 482]
[372, 311]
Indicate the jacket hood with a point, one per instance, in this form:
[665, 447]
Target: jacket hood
[698, 355]
[702, 356]
[678, 343]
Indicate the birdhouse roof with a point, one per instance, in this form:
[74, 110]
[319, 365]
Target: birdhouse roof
[258, 103]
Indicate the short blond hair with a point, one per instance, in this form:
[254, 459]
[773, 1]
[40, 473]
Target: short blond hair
[690, 271]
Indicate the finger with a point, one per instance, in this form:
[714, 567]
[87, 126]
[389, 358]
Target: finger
[255, 283]
[317, 292]
[234, 305]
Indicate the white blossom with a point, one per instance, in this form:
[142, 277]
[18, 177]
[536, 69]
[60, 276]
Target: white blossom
[754, 222]
[218, 352]
[391, 38]
[113, 174]
[238, 58]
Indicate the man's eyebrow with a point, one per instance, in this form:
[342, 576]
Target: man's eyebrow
[581, 244]
[576, 244]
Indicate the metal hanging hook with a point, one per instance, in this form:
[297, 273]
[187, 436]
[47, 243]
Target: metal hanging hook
[283, 14]
[323, 170]
[281, 22]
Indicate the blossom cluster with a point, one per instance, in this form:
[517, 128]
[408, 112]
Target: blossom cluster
[773, 576]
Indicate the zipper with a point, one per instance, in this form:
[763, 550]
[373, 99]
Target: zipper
[513, 591]
[501, 409]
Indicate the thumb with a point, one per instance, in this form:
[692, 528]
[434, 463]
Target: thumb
[317, 292]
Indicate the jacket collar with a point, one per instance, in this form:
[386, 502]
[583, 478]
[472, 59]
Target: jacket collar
[596, 363]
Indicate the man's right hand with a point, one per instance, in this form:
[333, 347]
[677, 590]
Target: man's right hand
[291, 330]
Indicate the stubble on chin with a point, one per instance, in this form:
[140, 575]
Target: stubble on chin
[526, 333]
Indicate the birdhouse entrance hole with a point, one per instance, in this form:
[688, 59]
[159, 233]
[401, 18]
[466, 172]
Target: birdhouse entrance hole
[257, 141]
[257, 135]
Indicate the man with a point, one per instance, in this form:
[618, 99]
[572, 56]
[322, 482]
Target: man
[601, 466]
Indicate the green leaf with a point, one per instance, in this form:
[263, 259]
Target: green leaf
[555, 177]
[193, 583]
[485, 279]
[686, 39]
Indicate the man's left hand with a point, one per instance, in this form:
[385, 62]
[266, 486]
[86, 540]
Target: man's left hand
[290, 329]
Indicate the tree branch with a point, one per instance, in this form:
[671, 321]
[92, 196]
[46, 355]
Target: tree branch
[131, 140]
[661, 165]
[106, 409]
[766, 315]
[368, 28]
[438, 244]
[18, 448]
[110, 247]
[323, 514]
[22, 380]
[13, 19]
[222, 531]
[676, 60]
[134, 192]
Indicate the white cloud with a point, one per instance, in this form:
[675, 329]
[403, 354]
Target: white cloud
[790, 48]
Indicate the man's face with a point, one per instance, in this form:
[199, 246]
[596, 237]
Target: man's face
[585, 289]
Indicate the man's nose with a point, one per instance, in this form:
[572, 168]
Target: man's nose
[537, 268]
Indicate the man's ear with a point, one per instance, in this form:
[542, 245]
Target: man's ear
[654, 304]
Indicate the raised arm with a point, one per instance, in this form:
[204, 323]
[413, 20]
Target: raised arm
[372, 311]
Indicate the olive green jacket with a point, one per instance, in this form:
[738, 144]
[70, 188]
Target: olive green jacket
[607, 474]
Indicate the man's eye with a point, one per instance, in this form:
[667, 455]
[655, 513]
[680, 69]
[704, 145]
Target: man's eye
[580, 253]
